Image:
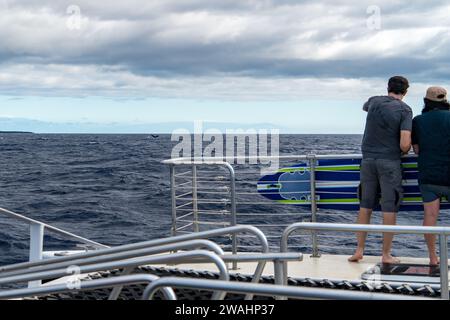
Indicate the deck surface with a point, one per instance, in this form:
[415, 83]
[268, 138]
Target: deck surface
[332, 267]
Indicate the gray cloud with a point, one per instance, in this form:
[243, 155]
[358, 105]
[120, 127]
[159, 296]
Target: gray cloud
[162, 41]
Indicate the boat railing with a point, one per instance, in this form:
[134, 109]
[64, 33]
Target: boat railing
[220, 287]
[441, 232]
[165, 252]
[191, 257]
[229, 231]
[128, 264]
[35, 292]
[37, 232]
[80, 260]
[209, 192]
[167, 284]
[129, 260]
[269, 290]
[13, 273]
[263, 243]
[185, 216]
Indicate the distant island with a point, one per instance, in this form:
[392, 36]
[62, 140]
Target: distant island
[21, 132]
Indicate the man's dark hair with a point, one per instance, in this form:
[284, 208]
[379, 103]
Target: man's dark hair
[398, 85]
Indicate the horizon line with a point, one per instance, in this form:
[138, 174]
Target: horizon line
[158, 133]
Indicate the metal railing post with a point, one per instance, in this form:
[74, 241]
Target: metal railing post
[233, 211]
[173, 191]
[194, 198]
[115, 292]
[443, 253]
[36, 247]
[280, 277]
[312, 171]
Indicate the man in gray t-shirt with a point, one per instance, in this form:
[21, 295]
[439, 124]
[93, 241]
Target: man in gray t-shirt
[387, 116]
[386, 137]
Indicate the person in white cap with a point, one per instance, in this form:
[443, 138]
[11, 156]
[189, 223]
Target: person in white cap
[431, 141]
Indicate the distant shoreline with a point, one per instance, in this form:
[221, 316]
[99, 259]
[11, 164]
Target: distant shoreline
[16, 132]
[161, 133]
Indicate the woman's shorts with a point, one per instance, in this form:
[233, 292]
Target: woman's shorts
[431, 192]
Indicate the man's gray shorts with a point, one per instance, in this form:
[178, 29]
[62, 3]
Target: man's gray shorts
[381, 177]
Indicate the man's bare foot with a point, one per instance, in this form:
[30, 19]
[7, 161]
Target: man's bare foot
[389, 260]
[434, 261]
[356, 257]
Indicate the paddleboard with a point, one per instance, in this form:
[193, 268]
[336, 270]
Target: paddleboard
[337, 182]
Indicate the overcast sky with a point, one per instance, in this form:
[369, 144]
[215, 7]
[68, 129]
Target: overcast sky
[303, 65]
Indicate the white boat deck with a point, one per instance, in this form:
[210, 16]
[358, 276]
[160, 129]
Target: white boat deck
[331, 267]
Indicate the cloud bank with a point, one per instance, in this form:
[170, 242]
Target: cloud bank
[247, 49]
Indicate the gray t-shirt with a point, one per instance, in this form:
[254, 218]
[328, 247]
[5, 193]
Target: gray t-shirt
[386, 117]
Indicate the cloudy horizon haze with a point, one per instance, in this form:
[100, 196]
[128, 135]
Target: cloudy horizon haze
[304, 66]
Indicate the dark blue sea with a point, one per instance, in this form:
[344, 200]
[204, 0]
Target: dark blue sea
[113, 188]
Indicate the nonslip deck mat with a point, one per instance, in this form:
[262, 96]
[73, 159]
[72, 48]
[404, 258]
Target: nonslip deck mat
[403, 272]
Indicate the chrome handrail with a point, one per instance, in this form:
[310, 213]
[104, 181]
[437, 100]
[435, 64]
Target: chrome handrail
[443, 233]
[51, 228]
[195, 223]
[37, 231]
[169, 294]
[276, 258]
[167, 285]
[200, 235]
[269, 290]
[147, 244]
[173, 258]
[217, 160]
[214, 161]
[54, 263]
[51, 264]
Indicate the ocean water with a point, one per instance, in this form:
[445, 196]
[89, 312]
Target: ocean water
[113, 189]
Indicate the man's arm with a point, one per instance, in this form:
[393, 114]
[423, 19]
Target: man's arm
[406, 127]
[405, 141]
[416, 148]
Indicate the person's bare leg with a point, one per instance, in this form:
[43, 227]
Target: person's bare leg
[430, 219]
[363, 218]
[389, 218]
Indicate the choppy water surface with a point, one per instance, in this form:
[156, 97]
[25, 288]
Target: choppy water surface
[113, 188]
